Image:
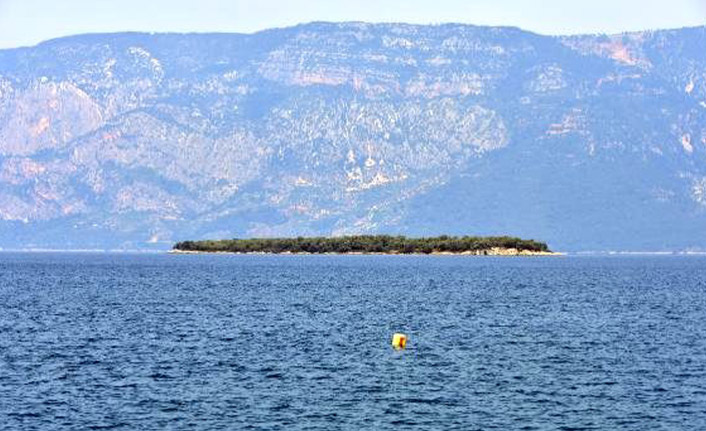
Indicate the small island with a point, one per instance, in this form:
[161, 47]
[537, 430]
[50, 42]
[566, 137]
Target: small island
[372, 244]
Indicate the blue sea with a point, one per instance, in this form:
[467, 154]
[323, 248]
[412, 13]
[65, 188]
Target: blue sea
[227, 342]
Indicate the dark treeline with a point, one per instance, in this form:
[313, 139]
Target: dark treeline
[363, 244]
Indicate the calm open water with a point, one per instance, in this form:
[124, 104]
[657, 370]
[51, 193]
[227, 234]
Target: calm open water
[90, 341]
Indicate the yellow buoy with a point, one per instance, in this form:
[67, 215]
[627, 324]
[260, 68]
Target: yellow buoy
[399, 341]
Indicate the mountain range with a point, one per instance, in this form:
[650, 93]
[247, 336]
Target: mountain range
[135, 141]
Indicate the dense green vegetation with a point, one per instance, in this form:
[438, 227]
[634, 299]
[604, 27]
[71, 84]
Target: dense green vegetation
[363, 244]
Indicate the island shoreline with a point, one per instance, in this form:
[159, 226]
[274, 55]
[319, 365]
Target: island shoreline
[487, 253]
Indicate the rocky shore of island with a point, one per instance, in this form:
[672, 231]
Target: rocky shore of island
[493, 252]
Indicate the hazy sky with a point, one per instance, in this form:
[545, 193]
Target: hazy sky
[27, 22]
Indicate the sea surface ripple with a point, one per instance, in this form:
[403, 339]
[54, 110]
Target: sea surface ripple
[212, 342]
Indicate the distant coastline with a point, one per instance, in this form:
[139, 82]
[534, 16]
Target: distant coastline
[371, 245]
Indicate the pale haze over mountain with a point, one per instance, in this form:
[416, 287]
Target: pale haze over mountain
[133, 140]
[28, 22]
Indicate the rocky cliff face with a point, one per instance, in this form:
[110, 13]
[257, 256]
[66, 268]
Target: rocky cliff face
[137, 140]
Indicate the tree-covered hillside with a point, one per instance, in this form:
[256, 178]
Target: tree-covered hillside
[365, 244]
